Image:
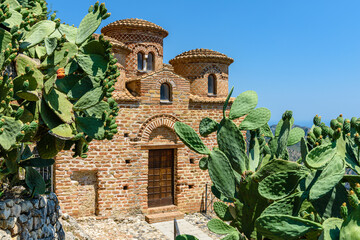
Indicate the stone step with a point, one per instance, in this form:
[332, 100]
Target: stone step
[163, 217]
[162, 209]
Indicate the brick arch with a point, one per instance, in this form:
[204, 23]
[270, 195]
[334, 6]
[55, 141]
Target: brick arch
[146, 49]
[210, 70]
[165, 80]
[154, 122]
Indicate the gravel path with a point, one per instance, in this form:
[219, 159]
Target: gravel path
[133, 227]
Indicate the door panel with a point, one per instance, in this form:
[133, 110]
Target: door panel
[161, 177]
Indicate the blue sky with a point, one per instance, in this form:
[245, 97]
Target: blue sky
[302, 56]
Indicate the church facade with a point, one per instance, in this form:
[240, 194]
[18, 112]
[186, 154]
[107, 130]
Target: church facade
[146, 167]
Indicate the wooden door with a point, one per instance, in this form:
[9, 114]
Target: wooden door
[161, 178]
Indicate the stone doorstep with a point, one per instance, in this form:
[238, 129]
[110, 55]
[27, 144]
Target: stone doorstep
[163, 209]
[163, 217]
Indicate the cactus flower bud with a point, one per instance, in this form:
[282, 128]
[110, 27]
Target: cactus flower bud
[353, 199]
[60, 73]
[344, 211]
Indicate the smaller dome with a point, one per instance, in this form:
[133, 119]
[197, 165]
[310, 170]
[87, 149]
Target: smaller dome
[201, 54]
[134, 23]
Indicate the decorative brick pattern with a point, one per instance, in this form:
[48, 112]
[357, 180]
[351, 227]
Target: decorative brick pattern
[114, 176]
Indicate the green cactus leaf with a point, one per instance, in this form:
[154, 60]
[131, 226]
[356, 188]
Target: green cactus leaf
[10, 129]
[328, 178]
[203, 163]
[71, 67]
[29, 95]
[93, 47]
[274, 166]
[233, 236]
[329, 205]
[221, 173]
[50, 84]
[284, 206]
[92, 127]
[295, 136]
[303, 149]
[220, 195]
[11, 158]
[255, 119]
[331, 229]
[88, 26]
[19, 82]
[219, 227]
[207, 126]
[93, 64]
[81, 87]
[5, 40]
[318, 157]
[243, 104]
[27, 153]
[15, 19]
[266, 131]
[351, 226]
[61, 106]
[37, 162]
[70, 32]
[185, 237]
[49, 146]
[232, 143]
[61, 57]
[12, 4]
[68, 82]
[283, 136]
[48, 116]
[279, 227]
[281, 184]
[280, 124]
[89, 99]
[22, 62]
[38, 33]
[254, 155]
[34, 181]
[40, 52]
[62, 131]
[190, 138]
[50, 45]
[222, 211]
[98, 110]
[227, 101]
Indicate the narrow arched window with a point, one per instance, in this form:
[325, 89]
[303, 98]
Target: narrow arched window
[150, 62]
[165, 92]
[140, 60]
[211, 84]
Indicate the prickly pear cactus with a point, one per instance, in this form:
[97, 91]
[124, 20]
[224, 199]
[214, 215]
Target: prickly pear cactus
[56, 85]
[271, 196]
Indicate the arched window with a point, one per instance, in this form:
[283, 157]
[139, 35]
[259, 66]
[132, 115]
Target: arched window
[165, 92]
[140, 58]
[211, 84]
[150, 62]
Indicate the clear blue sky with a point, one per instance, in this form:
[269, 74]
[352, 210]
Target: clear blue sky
[302, 56]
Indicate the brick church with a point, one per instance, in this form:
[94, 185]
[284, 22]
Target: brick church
[146, 167]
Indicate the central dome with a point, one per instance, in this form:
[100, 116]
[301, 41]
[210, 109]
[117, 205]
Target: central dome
[134, 23]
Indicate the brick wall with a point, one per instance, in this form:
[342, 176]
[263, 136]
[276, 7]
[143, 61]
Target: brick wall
[120, 165]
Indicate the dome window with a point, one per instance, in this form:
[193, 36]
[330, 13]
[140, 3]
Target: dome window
[140, 60]
[211, 85]
[150, 62]
[165, 92]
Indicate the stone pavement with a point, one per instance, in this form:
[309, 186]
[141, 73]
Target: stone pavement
[167, 228]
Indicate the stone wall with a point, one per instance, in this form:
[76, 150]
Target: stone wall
[37, 218]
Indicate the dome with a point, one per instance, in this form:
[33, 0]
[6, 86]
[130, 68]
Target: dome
[134, 23]
[202, 55]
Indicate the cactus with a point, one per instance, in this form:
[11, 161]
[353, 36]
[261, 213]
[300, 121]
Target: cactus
[43, 65]
[272, 197]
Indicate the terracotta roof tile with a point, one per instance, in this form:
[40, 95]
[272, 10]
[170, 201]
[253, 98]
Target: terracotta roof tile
[201, 54]
[134, 23]
[124, 96]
